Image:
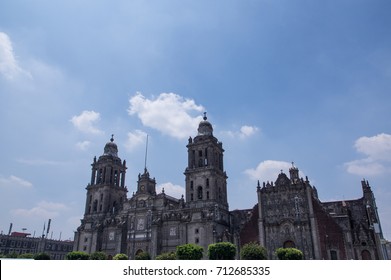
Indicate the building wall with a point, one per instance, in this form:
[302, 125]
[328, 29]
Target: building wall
[57, 249]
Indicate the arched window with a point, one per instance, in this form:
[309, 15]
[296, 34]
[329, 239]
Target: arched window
[199, 192]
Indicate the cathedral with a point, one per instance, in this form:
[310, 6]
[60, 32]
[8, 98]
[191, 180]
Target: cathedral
[288, 213]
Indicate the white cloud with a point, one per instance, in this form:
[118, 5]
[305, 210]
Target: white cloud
[268, 170]
[171, 189]
[43, 209]
[169, 113]
[135, 139]
[9, 66]
[86, 121]
[376, 147]
[377, 150]
[14, 181]
[365, 167]
[245, 131]
[83, 145]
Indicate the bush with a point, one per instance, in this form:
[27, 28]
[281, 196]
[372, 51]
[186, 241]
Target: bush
[289, 254]
[120, 256]
[222, 251]
[166, 256]
[77, 255]
[26, 256]
[11, 256]
[253, 251]
[143, 256]
[42, 256]
[189, 252]
[98, 256]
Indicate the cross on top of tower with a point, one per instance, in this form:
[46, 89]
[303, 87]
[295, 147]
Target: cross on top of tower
[205, 118]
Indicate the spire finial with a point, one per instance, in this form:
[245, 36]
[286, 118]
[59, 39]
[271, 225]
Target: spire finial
[205, 118]
[112, 138]
[146, 154]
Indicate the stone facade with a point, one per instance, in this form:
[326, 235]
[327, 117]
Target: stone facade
[288, 213]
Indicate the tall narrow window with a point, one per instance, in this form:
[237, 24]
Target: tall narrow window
[116, 178]
[200, 161]
[193, 159]
[95, 206]
[199, 192]
[100, 176]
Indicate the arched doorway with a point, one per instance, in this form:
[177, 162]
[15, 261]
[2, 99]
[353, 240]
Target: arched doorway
[289, 244]
[138, 252]
[366, 255]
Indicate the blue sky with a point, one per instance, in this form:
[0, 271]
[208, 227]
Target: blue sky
[281, 80]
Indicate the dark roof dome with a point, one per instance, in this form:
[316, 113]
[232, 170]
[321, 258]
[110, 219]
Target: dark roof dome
[111, 148]
[205, 127]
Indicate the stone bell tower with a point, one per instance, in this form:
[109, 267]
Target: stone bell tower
[106, 194]
[206, 188]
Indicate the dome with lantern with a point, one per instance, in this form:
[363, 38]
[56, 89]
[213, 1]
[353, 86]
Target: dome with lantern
[111, 148]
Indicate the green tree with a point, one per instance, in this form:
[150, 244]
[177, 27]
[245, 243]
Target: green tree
[166, 256]
[253, 251]
[189, 252]
[98, 256]
[77, 255]
[143, 256]
[42, 256]
[222, 251]
[289, 254]
[120, 257]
